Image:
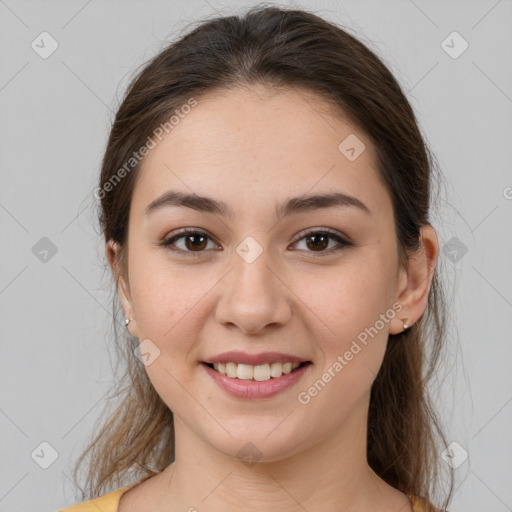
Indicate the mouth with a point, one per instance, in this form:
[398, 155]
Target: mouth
[257, 373]
[261, 381]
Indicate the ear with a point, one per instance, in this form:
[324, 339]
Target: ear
[414, 283]
[111, 251]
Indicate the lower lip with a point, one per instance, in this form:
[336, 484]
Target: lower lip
[240, 388]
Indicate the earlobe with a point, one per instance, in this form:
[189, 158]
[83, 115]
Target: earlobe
[126, 301]
[123, 289]
[416, 280]
[132, 327]
[399, 324]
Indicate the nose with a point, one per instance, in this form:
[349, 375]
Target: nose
[254, 297]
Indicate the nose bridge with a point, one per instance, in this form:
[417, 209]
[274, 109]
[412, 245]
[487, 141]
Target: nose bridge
[251, 273]
[253, 297]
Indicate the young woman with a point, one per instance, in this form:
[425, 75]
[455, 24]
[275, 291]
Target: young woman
[265, 198]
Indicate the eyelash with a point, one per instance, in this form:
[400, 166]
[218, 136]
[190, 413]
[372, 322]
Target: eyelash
[324, 231]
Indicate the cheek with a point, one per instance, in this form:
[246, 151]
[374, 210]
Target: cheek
[168, 305]
[352, 348]
[353, 311]
[351, 298]
[170, 302]
[160, 296]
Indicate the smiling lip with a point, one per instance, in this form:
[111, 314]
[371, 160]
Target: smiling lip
[240, 388]
[236, 356]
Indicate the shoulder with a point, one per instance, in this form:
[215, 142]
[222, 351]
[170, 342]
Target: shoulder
[106, 503]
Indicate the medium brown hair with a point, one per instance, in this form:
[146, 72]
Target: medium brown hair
[284, 48]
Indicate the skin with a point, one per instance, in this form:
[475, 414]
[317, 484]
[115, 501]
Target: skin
[252, 148]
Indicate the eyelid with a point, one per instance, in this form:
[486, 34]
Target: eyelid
[342, 240]
[329, 231]
[170, 240]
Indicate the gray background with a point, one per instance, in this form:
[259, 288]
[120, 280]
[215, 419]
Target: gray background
[56, 362]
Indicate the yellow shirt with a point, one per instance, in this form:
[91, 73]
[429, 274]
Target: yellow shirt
[106, 503]
[110, 502]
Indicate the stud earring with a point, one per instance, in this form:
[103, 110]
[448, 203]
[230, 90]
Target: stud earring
[404, 320]
[126, 322]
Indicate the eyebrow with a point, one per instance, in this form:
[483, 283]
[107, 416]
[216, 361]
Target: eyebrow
[300, 204]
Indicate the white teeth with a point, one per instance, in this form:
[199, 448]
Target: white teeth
[231, 370]
[287, 367]
[245, 371]
[262, 372]
[276, 370]
[259, 372]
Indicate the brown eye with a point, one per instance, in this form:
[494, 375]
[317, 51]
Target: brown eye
[194, 242]
[318, 241]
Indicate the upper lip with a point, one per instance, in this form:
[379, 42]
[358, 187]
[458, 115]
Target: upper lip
[236, 356]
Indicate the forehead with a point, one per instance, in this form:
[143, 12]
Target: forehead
[260, 144]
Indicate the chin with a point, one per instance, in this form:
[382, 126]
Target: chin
[255, 445]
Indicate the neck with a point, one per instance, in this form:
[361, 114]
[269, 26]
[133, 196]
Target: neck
[330, 475]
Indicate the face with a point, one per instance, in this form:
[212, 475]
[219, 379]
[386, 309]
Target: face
[309, 284]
